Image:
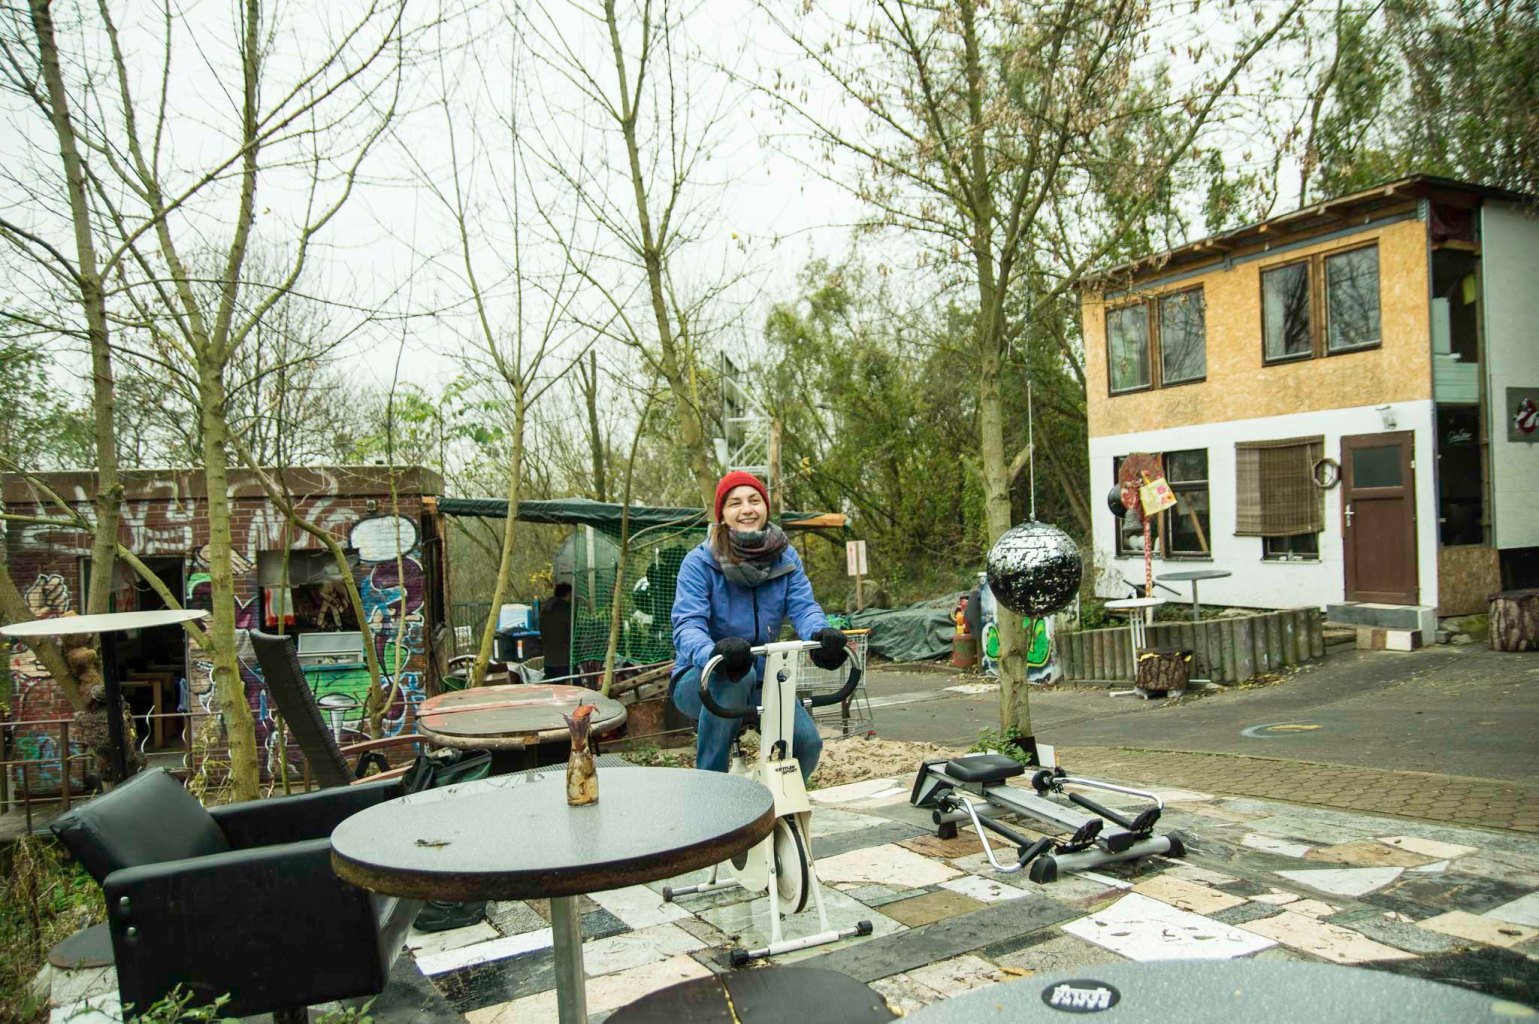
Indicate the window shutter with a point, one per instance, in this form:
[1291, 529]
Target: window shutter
[1275, 492]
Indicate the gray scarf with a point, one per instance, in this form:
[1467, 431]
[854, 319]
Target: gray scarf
[757, 552]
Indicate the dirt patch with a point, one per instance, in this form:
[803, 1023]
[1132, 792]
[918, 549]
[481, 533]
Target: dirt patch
[856, 760]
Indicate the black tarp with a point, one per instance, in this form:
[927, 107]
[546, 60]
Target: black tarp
[920, 632]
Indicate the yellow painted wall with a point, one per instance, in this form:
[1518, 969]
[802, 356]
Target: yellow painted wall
[1239, 387]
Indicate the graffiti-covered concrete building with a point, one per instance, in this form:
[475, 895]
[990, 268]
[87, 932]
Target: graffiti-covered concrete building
[282, 576]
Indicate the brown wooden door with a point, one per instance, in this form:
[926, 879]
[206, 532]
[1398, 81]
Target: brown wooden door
[1378, 517]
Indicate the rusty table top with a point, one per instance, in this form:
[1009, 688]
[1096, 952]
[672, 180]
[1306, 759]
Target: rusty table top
[511, 717]
[515, 837]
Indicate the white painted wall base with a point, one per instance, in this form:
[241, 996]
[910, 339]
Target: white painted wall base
[1256, 583]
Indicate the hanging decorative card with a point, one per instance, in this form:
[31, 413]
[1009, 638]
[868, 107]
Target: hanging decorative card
[1155, 495]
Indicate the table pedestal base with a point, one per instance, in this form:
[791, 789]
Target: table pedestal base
[566, 943]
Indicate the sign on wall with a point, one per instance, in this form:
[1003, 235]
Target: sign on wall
[1523, 415]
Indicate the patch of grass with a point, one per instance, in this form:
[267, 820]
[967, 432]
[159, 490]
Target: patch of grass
[175, 1009]
[44, 898]
[650, 755]
[1007, 743]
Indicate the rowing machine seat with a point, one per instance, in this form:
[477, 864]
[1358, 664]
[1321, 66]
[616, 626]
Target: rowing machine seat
[984, 768]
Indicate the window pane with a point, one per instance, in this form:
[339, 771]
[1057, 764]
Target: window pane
[1127, 334]
[1376, 467]
[1187, 466]
[1305, 546]
[1352, 299]
[1285, 311]
[1188, 521]
[1183, 337]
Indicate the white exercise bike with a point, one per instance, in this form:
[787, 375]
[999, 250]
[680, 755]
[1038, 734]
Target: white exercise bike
[781, 863]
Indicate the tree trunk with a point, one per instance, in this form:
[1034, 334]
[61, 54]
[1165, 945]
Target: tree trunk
[109, 491]
[1162, 669]
[595, 431]
[229, 687]
[509, 526]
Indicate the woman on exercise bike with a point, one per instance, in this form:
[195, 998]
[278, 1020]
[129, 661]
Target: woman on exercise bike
[734, 591]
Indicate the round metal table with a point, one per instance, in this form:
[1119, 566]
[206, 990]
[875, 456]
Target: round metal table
[515, 837]
[1221, 992]
[520, 724]
[1192, 576]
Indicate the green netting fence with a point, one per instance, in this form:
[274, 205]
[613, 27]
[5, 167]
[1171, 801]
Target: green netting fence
[589, 561]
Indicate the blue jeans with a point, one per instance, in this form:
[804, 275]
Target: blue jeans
[714, 735]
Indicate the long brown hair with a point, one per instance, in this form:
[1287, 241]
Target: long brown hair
[721, 544]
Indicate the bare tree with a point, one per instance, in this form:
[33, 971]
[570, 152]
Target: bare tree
[637, 171]
[309, 114]
[999, 137]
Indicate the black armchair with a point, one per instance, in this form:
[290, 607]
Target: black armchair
[239, 899]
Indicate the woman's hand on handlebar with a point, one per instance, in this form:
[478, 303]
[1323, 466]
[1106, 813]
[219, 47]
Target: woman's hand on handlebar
[735, 657]
[830, 652]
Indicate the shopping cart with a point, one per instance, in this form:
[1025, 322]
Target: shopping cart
[852, 717]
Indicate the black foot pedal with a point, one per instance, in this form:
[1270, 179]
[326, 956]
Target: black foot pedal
[1083, 838]
[1145, 822]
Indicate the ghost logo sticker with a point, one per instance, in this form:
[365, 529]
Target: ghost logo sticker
[1081, 995]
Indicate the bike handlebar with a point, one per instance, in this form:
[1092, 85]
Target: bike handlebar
[746, 710]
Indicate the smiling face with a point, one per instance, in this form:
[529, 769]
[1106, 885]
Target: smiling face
[744, 509]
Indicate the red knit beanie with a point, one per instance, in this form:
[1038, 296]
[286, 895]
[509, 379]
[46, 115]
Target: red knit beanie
[738, 478]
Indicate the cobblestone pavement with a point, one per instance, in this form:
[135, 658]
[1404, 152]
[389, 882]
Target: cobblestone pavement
[1261, 878]
[1451, 799]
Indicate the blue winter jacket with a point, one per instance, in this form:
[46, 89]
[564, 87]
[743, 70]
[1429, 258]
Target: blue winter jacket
[707, 608]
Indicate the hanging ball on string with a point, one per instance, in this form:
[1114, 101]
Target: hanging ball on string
[1034, 569]
[1114, 502]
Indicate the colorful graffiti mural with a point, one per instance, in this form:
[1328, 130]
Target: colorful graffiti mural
[32, 692]
[1041, 667]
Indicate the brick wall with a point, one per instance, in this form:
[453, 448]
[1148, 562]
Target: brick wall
[165, 516]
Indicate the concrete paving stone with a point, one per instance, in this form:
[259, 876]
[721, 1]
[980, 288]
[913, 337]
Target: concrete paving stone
[906, 950]
[424, 943]
[957, 975]
[984, 890]
[66, 987]
[885, 865]
[904, 994]
[1327, 941]
[1276, 897]
[1187, 895]
[1465, 925]
[1284, 953]
[894, 895]
[966, 844]
[1197, 873]
[1424, 895]
[748, 924]
[707, 933]
[1524, 910]
[585, 905]
[103, 1009]
[1368, 853]
[931, 907]
[1504, 870]
[1243, 887]
[639, 906]
[1270, 844]
[1311, 908]
[862, 838]
[1344, 881]
[1316, 829]
[1401, 935]
[832, 820]
[600, 924]
[1494, 971]
[865, 790]
[502, 948]
[603, 993]
[1058, 952]
[1244, 912]
[1141, 928]
[495, 982]
[1436, 867]
[514, 917]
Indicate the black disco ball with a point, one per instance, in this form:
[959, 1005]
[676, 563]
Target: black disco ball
[1034, 569]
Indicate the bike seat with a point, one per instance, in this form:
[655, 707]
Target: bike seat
[984, 768]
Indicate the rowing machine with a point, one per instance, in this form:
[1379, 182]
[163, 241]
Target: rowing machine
[973, 789]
